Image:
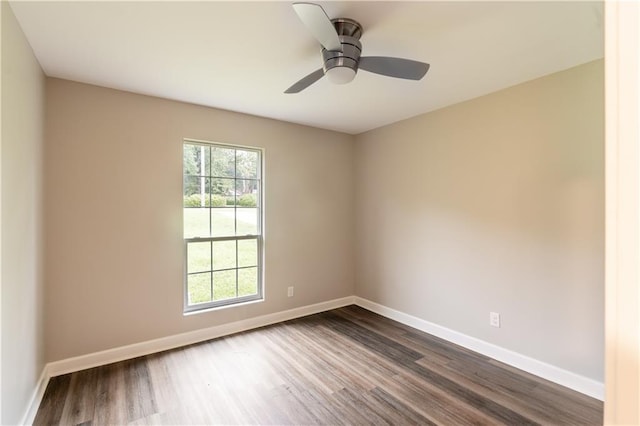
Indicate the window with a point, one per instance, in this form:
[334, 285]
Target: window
[222, 193]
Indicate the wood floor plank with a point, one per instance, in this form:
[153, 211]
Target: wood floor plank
[196, 378]
[437, 405]
[50, 410]
[575, 409]
[468, 396]
[111, 402]
[141, 401]
[316, 404]
[397, 411]
[163, 385]
[299, 365]
[357, 410]
[356, 359]
[374, 341]
[345, 366]
[515, 400]
[79, 404]
[389, 348]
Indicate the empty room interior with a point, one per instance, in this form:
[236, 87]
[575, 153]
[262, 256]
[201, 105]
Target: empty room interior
[315, 213]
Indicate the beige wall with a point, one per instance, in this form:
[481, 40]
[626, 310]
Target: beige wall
[113, 206]
[495, 204]
[22, 292]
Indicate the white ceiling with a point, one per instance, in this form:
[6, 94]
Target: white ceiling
[241, 56]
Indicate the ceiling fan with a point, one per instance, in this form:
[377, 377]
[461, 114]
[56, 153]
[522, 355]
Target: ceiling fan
[341, 50]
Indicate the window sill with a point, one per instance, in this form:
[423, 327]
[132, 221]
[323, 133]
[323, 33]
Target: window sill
[218, 308]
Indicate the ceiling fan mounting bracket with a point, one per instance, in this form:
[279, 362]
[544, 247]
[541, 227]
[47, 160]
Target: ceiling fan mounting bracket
[347, 27]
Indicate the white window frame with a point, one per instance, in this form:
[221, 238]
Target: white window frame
[206, 306]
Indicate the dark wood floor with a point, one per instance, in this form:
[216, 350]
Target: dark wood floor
[346, 366]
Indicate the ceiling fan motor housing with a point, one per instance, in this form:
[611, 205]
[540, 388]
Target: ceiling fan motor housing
[349, 32]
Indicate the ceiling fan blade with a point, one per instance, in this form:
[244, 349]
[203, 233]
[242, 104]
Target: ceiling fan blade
[317, 21]
[394, 67]
[306, 81]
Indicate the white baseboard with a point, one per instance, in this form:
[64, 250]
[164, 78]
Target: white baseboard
[546, 371]
[170, 342]
[36, 398]
[121, 353]
[541, 369]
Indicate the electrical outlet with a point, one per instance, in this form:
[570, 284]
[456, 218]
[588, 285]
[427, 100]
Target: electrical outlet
[494, 319]
[290, 292]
